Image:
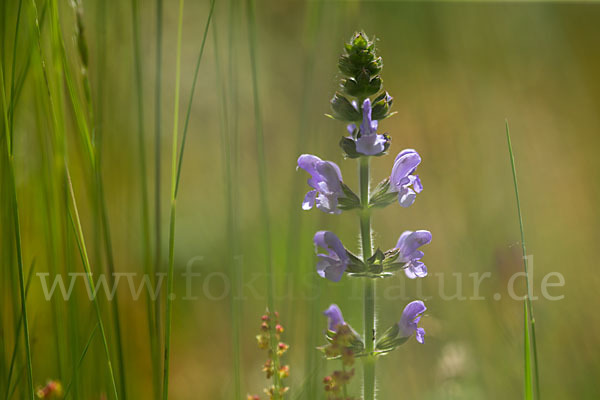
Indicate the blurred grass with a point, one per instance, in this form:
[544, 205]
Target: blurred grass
[456, 72]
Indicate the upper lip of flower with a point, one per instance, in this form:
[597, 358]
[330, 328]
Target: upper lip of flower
[409, 243]
[335, 317]
[405, 164]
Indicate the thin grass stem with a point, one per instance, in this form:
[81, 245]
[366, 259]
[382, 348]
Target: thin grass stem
[170, 294]
[145, 210]
[17, 231]
[13, 357]
[80, 361]
[262, 178]
[12, 71]
[226, 148]
[157, 152]
[191, 99]
[76, 225]
[532, 346]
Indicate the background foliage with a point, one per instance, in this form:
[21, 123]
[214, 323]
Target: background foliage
[456, 72]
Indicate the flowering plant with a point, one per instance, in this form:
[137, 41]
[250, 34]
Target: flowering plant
[361, 103]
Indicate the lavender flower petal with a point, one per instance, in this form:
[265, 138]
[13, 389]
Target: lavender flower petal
[326, 180]
[333, 264]
[402, 177]
[369, 143]
[409, 253]
[410, 241]
[309, 200]
[404, 165]
[334, 317]
[410, 318]
[416, 269]
[420, 335]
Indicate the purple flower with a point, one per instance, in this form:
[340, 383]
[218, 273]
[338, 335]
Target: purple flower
[334, 317]
[410, 318]
[402, 177]
[333, 264]
[408, 246]
[369, 142]
[326, 180]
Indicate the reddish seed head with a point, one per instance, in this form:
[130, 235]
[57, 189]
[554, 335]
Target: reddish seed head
[284, 371]
[279, 328]
[51, 388]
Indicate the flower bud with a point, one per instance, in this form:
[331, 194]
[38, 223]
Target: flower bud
[343, 109]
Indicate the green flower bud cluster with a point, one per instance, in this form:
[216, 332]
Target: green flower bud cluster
[361, 68]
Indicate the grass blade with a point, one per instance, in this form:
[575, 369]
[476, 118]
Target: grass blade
[262, 179]
[17, 230]
[527, 355]
[191, 100]
[145, 210]
[170, 294]
[13, 358]
[83, 353]
[157, 146]
[232, 234]
[76, 225]
[531, 345]
[12, 71]
[177, 162]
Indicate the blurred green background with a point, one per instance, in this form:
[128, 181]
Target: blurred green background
[456, 71]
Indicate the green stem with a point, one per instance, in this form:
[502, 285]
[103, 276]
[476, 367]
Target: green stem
[369, 284]
[157, 157]
[529, 306]
[170, 293]
[77, 228]
[344, 386]
[17, 232]
[262, 181]
[226, 146]
[145, 211]
[12, 72]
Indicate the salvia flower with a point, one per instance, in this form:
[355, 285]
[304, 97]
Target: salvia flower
[409, 253]
[326, 181]
[332, 264]
[368, 142]
[334, 317]
[402, 178]
[410, 318]
[336, 323]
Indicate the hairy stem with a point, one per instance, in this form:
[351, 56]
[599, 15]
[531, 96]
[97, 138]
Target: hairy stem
[369, 284]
